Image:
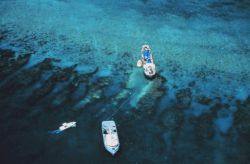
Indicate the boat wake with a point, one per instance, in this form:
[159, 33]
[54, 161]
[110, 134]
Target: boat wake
[55, 131]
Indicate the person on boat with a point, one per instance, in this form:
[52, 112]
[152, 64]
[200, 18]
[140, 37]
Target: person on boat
[147, 62]
[146, 55]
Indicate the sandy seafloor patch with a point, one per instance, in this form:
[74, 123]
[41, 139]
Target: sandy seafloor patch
[197, 110]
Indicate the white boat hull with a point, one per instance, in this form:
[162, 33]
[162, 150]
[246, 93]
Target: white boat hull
[110, 137]
[67, 126]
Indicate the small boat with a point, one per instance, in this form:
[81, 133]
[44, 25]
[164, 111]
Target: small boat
[147, 62]
[67, 125]
[110, 136]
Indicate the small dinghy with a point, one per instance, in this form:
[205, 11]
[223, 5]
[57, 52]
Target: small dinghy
[67, 125]
[110, 137]
[63, 127]
[147, 62]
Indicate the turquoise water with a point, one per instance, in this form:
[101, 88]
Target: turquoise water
[65, 60]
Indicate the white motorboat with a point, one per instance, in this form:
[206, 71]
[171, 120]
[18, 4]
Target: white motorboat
[67, 125]
[147, 62]
[110, 136]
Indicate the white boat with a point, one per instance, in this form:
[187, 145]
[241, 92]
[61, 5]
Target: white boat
[147, 62]
[110, 136]
[67, 125]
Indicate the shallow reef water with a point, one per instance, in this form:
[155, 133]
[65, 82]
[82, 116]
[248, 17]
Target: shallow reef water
[65, 60]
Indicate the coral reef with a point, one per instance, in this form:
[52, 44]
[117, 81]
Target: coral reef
[8, 63]
[242, 119]
[184, 98]
[152, 96]
[76, 61]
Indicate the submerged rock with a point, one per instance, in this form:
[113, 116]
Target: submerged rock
[184, 98]
[94, 93]
[6, 54]
[22, 60]
[201, 75]
[242, 119]
[192, 83]
[153, 94]
[86, 48]
[25, 78]
[6, 61]
[203, 127]
[123, 67]
[203, 100]
[59, 76]
[2, 35]
[9, 63]
[172, 119]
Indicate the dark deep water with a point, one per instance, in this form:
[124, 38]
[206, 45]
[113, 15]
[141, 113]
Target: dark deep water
[63, 60]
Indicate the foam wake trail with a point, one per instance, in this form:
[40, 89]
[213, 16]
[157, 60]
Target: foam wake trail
[55, 131]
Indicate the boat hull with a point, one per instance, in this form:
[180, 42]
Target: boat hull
[147, 62]
[110, 137]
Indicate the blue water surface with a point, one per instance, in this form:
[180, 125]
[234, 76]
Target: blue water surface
[83, 68]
